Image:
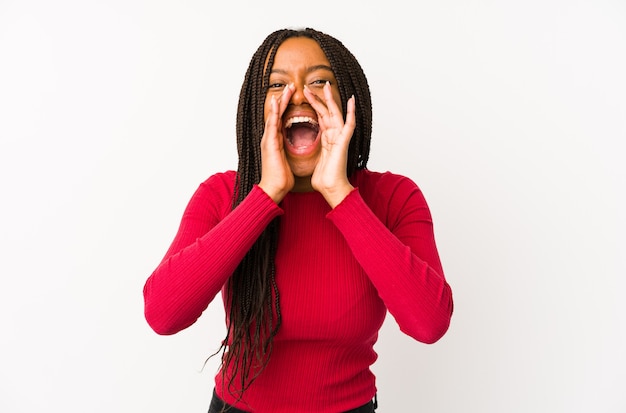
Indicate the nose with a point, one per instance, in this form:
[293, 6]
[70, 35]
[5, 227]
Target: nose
[297, 98]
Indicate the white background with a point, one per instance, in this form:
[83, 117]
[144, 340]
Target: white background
[509, 115]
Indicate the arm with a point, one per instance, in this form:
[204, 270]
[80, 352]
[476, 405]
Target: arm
[209, 245]
[396, 248]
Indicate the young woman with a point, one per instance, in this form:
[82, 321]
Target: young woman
[309, 248]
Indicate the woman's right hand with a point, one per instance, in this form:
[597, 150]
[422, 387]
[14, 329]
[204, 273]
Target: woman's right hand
[276, 176]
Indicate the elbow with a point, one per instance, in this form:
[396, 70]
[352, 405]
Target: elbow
[428, 333]
[435, 333]
[441, 320]
[159, 326]
[166, 313]
[165, 318]
[441, 328]
[431, 327]
[160, 320]
[165, 324]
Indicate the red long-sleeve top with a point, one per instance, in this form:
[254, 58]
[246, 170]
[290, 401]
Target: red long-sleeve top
[338, 271]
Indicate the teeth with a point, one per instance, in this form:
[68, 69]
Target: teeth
[300, 119]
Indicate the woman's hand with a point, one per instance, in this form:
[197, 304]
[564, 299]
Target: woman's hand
[276, 176]
[330, 175]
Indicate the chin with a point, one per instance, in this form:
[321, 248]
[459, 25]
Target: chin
[302, 173]
[303, 168]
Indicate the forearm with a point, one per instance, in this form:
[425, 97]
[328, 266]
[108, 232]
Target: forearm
[404, 267]
[187, 280]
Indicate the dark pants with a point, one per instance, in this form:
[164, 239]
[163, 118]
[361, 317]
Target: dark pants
[217, 404]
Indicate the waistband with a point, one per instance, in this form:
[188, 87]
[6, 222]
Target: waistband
[218, 404]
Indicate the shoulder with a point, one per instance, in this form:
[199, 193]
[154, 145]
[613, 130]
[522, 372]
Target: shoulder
[214, 193]
[390, 195]
[383, 184]
[220, 181]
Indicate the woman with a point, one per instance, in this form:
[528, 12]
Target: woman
[308, 247]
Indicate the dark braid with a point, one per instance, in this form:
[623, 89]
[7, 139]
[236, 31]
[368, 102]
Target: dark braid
[351, 80]
[251, 293]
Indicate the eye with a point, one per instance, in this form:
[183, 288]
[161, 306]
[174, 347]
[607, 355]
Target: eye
[275, 86]
[320, 82]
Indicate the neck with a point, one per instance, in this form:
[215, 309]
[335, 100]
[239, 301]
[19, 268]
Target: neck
[302, 184]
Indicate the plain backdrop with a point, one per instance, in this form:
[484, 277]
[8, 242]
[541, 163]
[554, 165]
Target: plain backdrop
[510, 115]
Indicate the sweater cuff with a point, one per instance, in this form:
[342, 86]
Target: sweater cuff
[262, 201]
[346, 207]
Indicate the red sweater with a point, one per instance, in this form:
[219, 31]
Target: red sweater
[338, 272]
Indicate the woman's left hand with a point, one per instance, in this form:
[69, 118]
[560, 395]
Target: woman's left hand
[330, 175]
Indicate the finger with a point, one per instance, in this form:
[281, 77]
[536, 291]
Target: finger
[315, 101]
[278, 106]
[320, 104]
[284, 98]
[331, 105]
[272, 118]
[351, 113]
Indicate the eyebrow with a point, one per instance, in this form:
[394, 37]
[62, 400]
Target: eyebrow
[308, 70]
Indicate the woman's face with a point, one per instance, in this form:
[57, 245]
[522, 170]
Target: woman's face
[301, 61]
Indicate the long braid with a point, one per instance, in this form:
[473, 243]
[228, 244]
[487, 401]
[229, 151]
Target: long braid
[351, 80]
[252, 294]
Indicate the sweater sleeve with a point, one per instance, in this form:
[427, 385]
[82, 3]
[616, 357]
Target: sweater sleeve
[209, 245]
[395, 246]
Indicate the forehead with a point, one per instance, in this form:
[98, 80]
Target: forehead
[299, 51]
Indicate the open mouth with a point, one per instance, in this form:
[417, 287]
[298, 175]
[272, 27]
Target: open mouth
[301, 131]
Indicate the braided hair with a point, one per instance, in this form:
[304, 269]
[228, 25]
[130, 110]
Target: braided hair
[252, 297]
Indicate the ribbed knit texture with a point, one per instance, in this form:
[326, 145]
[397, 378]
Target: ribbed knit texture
[337, 271]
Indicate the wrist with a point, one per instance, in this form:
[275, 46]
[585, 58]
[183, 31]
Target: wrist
[275, 194]
[335, 196]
